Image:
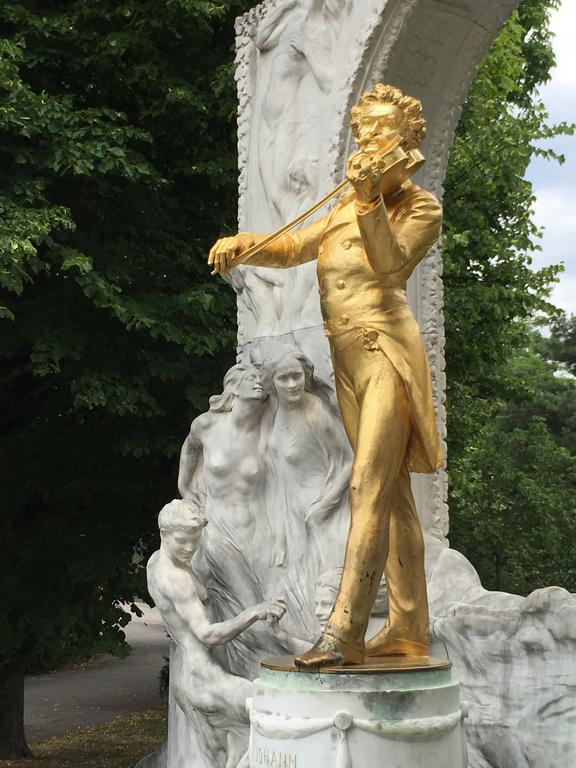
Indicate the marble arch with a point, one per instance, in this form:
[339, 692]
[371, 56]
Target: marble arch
[429, 48]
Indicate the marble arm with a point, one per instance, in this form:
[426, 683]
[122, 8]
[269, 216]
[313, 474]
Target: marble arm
[191, 611]
[223, 631]
[391, 249]
[320, 64]
[271, 30]
[191, 457]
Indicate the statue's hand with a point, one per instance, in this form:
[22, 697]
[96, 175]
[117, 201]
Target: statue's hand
[365, 172]
[226, 250]
[271, 610]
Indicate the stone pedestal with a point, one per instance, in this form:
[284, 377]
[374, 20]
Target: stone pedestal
[405, 713]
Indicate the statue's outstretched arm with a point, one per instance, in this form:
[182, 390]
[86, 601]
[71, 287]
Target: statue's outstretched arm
[289, 250]
[190, 609]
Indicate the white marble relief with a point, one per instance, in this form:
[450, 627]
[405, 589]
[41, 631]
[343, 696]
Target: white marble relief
[515, 659]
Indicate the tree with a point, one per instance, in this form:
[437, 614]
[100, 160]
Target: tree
[560, 346]
[515, 487]
[117, 169]
[492, 300]
[551, 391]
[492, 294]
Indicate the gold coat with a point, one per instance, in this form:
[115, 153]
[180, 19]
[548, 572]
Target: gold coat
[365, 256]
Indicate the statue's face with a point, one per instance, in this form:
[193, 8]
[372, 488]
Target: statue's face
[250, 387]
[289, 381]
[182, 543]
[378, 125]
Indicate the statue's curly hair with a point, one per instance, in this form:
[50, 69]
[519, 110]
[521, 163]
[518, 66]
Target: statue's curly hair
[183, 513]
[415, 130]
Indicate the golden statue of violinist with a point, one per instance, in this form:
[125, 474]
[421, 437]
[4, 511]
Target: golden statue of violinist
[367, 248]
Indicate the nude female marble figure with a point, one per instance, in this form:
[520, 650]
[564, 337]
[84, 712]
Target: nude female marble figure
[309, 461]
[223, 457]
[308, 451]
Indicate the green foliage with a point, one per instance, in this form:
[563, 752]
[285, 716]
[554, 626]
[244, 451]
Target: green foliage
[516, 496]
[511, 439]
[514, 488]
[561, 344]
[117, 170]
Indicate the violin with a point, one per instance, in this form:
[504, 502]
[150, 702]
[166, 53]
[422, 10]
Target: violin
[399, 166]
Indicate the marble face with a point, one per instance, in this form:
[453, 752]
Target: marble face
[249, 387]
[324, 601]
[289, 381]
[182, 543]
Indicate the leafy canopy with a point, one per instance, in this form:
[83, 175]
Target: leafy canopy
[117, 170]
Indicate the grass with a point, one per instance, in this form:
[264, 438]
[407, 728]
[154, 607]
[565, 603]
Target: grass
[119, 744]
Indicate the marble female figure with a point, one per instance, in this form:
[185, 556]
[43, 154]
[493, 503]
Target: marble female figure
[223, 457]
[309, 463]
[308, 446]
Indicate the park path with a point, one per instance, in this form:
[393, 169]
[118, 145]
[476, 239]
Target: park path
[103, 690]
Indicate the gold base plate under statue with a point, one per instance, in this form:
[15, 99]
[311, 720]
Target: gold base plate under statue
[371, 665]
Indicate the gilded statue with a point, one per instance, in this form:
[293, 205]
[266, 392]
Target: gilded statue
[366, 249]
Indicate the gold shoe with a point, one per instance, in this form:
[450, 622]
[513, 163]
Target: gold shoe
[387, 643]
[329, 651]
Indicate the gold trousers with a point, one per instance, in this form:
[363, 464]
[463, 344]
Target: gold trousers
[385, 533]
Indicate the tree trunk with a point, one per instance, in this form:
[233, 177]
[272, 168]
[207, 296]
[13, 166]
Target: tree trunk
[13, 744]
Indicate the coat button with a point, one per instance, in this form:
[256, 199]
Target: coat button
[372, 335]
[346, 244]
[340, 285]
[344, 319]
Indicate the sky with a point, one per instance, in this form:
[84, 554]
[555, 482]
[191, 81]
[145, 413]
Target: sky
[555, 185]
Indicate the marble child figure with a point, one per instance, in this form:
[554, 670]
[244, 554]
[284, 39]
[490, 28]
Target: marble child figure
[366, 249]
[202, 684]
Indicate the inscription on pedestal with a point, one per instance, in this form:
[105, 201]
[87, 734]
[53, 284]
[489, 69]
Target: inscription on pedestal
[273, 759]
